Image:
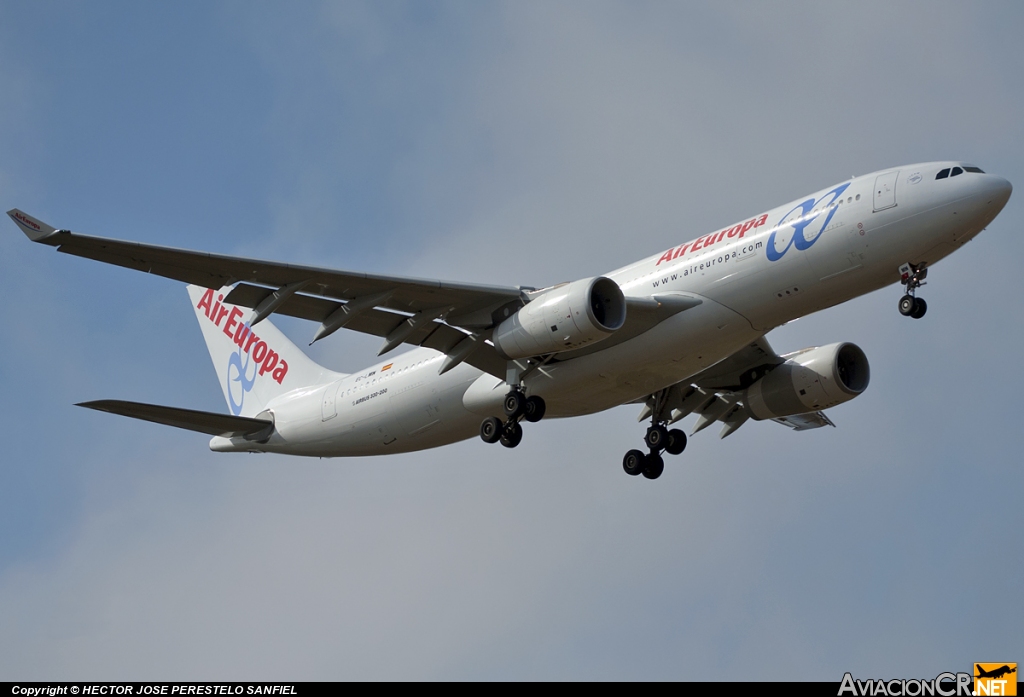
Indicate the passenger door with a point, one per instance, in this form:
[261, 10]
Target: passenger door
[885, 190]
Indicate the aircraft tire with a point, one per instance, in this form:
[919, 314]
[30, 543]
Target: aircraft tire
[633, 462]
[920, 307]
[657, 437]
[654, 466]
[514, 404]
[534, 409]
[676, 442]
[512, 436]
[907, 305]
[490, 430]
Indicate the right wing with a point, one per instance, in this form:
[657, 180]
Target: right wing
[402, 310]
[435, 335]
[466, 304]
[454, 318]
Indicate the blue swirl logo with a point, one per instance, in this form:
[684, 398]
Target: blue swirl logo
[806, 222]
[239, 375]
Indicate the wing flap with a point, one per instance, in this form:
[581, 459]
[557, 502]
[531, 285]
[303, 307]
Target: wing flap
[189, 419]
[433, 335]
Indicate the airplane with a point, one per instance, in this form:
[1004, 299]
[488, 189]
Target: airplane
[996, 673]
[681, 332]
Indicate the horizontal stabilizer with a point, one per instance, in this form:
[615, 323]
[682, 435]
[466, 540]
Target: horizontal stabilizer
[189, 419]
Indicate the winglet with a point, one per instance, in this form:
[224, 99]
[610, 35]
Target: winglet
[36, 229]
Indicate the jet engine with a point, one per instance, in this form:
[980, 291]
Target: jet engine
[810, 380]
[563, 318]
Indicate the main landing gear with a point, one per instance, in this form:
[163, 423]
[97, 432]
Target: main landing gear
[912, 276]
[517, 406]
[658, 439]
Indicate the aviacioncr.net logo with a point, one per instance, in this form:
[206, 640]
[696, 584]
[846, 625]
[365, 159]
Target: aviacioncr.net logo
[944, 685]
[995, 679]
[241, 378]
[802, 226]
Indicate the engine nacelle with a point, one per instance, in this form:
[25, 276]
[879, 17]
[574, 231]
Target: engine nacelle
[811, 380]
[566, 317]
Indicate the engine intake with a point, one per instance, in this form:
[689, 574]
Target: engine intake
[563, 318]
[810, 380]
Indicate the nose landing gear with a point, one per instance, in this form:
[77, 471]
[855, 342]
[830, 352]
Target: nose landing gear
[912, 276]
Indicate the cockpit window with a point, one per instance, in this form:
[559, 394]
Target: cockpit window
[942, 174]
[975, 170]
[956, 171]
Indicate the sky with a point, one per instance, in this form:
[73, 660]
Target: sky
[520, 143]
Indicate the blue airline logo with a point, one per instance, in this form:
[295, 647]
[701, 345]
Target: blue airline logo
[240, 374]
[806, 221]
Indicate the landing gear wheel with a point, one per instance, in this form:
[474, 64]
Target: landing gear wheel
[512, 435]
[908, 304]
[920, 307]
[654, 466]
[634, 462]
[490, 430]
[514, 404]
[534, 409]
[657, 437]
[676, 442]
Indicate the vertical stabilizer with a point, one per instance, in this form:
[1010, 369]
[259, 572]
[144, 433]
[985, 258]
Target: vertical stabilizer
[254, 364]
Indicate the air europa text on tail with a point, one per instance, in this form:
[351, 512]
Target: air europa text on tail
[266, 358]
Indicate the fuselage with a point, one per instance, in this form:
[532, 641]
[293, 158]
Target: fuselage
[796, 259]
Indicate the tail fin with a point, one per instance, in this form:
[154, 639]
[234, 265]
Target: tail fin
[254, 365]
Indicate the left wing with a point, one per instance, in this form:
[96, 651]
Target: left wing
[715, 394]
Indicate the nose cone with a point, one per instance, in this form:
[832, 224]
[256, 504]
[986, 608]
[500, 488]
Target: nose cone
[999, 190]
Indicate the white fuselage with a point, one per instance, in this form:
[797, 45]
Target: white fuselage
[805, 256]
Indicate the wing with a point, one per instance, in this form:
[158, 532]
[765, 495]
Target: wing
[384, 323]
[454, 318]
[402, 310]
[716, 394]
[466, 304]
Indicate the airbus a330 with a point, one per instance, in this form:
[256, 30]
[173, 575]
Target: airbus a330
[681, 332]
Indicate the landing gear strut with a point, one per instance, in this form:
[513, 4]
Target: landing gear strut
[912, 276]
[517, 407]
[658, 439]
